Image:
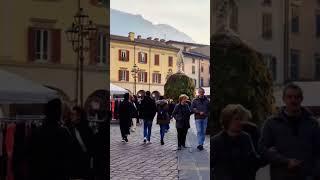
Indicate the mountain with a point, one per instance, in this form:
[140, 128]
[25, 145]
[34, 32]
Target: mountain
[121, 23]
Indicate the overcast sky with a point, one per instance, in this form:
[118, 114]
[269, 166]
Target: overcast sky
[189, 16]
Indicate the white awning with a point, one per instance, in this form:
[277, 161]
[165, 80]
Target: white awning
[114, 89]
[15, 89]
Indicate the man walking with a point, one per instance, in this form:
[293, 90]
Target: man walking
[290, 140]
[200, 107]
[148, 112]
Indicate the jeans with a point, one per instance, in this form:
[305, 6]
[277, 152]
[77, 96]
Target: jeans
[163, 129]
[147, 125]
[201, 125]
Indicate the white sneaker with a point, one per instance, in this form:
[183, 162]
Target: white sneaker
[123, 140]
[148, 142]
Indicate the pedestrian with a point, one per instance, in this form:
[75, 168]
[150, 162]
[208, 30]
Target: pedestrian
[163, 118]
[200, 107]
[137, 104]
[233, 156]
[134, 113]
[125, 115]
[49, 149]
[148, 111]
[291, 140]
[82, 146]
[181, 114]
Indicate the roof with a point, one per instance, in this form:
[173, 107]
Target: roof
[147, 42]
[205, 50]
[195, 54]
[185, 43]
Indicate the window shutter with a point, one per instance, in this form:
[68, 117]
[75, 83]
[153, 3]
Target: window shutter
[153, 78]
[119, 54]
[146, 58]
[119, 75]
[31, 44]
[94, 51]
[145, 77]
[139, 57]
[139, 76]
[127, 55]
[56, 46]
[156, 59]
[159, 78]
[127, 75]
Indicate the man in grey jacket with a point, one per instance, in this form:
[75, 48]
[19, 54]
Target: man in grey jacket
[200, 108]
[290, 140]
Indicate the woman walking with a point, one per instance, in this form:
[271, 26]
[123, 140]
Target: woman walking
[125, 110]
[181, 114]
[163, 118]
[233, 156]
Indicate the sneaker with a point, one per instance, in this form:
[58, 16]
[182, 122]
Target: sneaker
[200, 147]
[179, 148]
[162, 142]
[122, 140]
[145, 140]
[126, 139]
[184, 146]
[148, 142]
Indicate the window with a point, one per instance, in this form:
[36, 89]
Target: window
[201, 81]
[294, 64]
[123, 55]
[234, 18]
[317, 67]
[193, 61]
[170, 61]
[193, 70]
[271, 63]
[201, 68]
[295, 19]
[123, 75]
[318, 24]
[42, 43]
[102, 48]
[267, 26]
[195, 82]
[156, 78]
[156, 60]
[142, 58]
[142, 77]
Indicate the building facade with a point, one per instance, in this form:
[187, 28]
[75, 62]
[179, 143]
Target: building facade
[154, 58]
[33, 44]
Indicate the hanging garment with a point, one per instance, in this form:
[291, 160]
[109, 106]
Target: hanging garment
[9, 143]
[3, 158]
[1, 141]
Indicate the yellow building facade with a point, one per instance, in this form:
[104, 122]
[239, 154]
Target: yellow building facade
[154, 58]
[33, 43]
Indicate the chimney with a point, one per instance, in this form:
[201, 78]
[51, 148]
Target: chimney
[156, 39]
[139, 36]
[131, 36]
[149, 38]
[162, 40]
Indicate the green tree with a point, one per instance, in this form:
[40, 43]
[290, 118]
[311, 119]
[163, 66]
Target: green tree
[178, 84]
[239, 76]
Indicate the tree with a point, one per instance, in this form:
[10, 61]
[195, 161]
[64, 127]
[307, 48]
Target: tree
[178, 84]
[239, 77]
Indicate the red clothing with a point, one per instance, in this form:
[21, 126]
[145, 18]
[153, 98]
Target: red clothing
[9, 145]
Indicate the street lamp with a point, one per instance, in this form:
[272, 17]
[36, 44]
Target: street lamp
[135, 70]
[81, 29]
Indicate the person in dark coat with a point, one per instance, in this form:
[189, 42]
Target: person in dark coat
[148, 111]
[233, 156]
[290, 140]
[163, 118]
[50, 147]
[181, 114]
[125, 112]
[82, 146]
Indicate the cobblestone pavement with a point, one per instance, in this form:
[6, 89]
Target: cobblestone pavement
[136, 160]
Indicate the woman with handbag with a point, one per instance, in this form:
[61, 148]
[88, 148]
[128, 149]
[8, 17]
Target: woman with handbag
[163, 118]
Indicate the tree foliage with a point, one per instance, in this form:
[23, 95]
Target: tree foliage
[239, 76]
[178, 84]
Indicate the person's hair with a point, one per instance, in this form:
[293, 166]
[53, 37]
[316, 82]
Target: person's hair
[53, 110]
[126, 96]
[161, 98]
[230, 111]
[200, 88]
[183, 96]
[148, 93]
[292, 86]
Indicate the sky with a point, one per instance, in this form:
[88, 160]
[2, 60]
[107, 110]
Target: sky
[189, 16]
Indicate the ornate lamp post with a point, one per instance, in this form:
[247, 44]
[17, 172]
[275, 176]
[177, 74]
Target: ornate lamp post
[134, 72]
[81, 31]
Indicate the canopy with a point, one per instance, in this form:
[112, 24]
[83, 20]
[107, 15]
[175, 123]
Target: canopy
[206, 91]
[15, 89]
[116, 89]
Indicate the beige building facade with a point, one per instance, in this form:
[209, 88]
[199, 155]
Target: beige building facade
[33, 44]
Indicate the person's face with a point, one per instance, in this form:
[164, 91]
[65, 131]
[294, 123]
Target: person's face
[292, 100]
[235, 124]
[75, 117]
[201, 92]
[184, 101]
